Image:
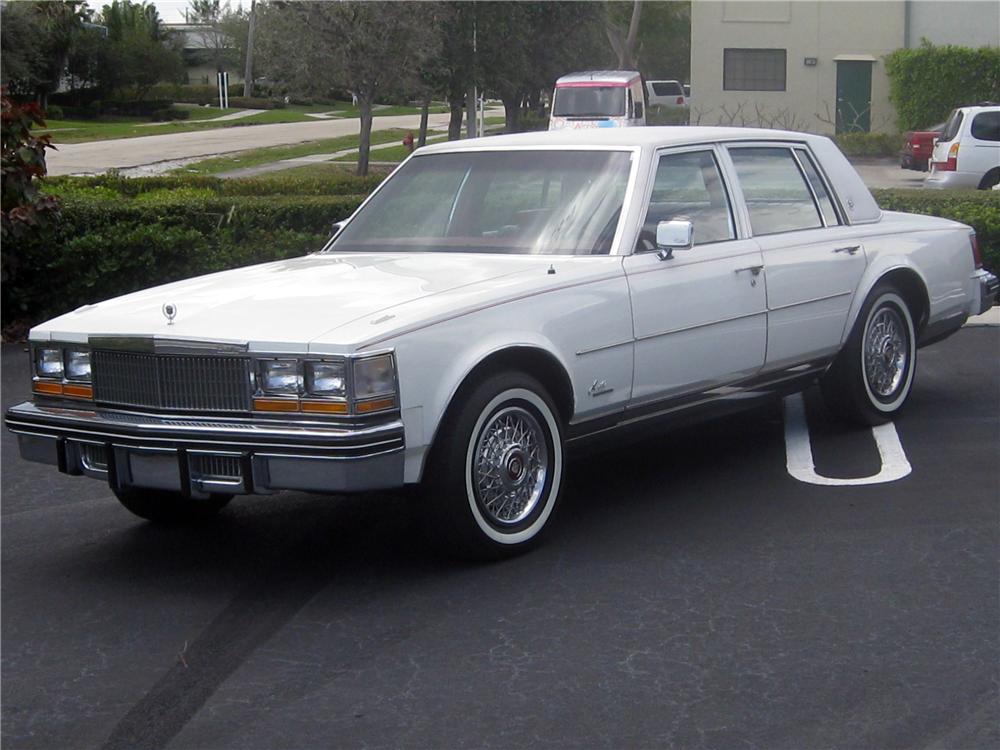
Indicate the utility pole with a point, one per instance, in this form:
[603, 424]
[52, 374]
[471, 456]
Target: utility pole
[248, 70]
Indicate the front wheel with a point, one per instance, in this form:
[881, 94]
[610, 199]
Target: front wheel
[493, 481]
[872, 376]
[162, 506]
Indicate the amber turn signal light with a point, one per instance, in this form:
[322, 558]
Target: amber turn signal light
[324, 407]
[78, 391]
[378, 404]
[49, 389]
[275, 404]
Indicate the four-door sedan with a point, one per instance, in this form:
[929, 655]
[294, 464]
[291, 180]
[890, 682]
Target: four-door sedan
[494, 304]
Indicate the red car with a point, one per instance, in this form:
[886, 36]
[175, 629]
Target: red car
[917, 150]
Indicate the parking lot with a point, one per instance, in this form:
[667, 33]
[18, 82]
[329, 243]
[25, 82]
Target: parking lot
[693, 594]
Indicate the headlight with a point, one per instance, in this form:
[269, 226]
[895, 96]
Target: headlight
[374, 376]
[326, 379]
[48, 363]
[77, 364]
[281, 377]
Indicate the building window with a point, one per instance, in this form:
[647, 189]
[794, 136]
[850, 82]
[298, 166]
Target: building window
[753, 70]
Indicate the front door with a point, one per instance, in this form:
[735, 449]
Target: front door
[854, 96]
[700, 317]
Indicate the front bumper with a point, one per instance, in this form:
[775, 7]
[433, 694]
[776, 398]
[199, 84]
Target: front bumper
[198, 456]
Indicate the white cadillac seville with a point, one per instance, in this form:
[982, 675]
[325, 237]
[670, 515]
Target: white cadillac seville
[493, 304]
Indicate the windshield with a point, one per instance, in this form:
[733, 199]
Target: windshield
[515, 202]
[589, 101]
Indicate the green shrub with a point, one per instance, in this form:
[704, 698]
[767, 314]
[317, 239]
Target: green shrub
[54, 112]
[171, 113]
[870, 144]
[980, 209]
[667, 116]
[277, 184]
[107, 244]
[927, 82]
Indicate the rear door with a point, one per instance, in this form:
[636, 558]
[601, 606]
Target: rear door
[984, 140]
[813, 261]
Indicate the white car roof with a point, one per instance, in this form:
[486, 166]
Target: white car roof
[611, 76]
[854, 195]
[645, 137]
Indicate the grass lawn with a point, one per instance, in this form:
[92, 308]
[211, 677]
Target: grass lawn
[325, 169]
[257, 156]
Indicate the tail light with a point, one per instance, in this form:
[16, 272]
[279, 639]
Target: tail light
[952, 164]
[977, 255]
[680, 100]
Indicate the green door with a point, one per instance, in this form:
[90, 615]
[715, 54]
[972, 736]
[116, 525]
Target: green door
[854, 96]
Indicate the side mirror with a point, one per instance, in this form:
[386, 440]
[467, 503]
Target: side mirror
[638, 110]
[335, 228]
[676, 234]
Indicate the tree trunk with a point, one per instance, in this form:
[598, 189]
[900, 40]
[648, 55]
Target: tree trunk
[365, 141]
[470, 107]
[424, 111]
[248, 69]
[512, 109]
[457, 105]
[633, 34]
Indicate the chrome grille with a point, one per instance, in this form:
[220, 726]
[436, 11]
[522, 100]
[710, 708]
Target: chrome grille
[189, 383]
[95, 457]
[215, 467]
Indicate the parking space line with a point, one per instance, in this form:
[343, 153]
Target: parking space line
[799, 456]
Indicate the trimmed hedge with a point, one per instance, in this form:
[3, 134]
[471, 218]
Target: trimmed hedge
[980, 209]
[870, 144]
[107, 245]
[277, 184]
[119, 235]
[927, 82]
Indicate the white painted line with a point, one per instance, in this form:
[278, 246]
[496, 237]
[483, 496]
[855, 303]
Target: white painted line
[799, 457]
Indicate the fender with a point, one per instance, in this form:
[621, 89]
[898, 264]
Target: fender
[447, 377]
[882, 265]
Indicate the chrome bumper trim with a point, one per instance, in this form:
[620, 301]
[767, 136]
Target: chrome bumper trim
[157, 452]
[988, 289]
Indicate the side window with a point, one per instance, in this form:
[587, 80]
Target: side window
[776, 193]
[688, 186]
[819, 189]
[986, 126]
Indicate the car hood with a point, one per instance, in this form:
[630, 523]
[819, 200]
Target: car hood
[285, 304]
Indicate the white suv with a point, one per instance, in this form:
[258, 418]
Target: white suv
[967, 154]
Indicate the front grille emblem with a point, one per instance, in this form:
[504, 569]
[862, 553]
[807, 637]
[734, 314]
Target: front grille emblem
[170, 312]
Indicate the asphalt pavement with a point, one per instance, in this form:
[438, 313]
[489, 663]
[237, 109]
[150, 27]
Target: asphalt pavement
[126, 153]
[693, 595]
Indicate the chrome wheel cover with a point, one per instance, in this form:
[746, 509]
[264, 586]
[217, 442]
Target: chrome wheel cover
[886, 352]
[510, 465]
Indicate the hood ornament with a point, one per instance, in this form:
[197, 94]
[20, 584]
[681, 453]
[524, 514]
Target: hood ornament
[170, 312]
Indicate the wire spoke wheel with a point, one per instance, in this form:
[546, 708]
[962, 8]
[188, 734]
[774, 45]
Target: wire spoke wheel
[511, 465]
[886, 353]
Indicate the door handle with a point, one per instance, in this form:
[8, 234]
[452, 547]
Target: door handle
[755, 270]
[849, 249]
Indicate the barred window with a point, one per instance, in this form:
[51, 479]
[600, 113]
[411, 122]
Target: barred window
[753, 69]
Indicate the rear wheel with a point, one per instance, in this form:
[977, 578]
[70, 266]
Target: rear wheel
[492, 484]
[162, 506]
[990, 179]
[872, 376]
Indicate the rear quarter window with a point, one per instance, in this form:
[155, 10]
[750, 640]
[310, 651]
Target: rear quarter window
[986, 126]
[952, 126]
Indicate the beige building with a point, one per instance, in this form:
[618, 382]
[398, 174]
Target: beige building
[816, 66]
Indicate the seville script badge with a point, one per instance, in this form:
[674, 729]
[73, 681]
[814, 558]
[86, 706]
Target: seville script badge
[170, 312]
